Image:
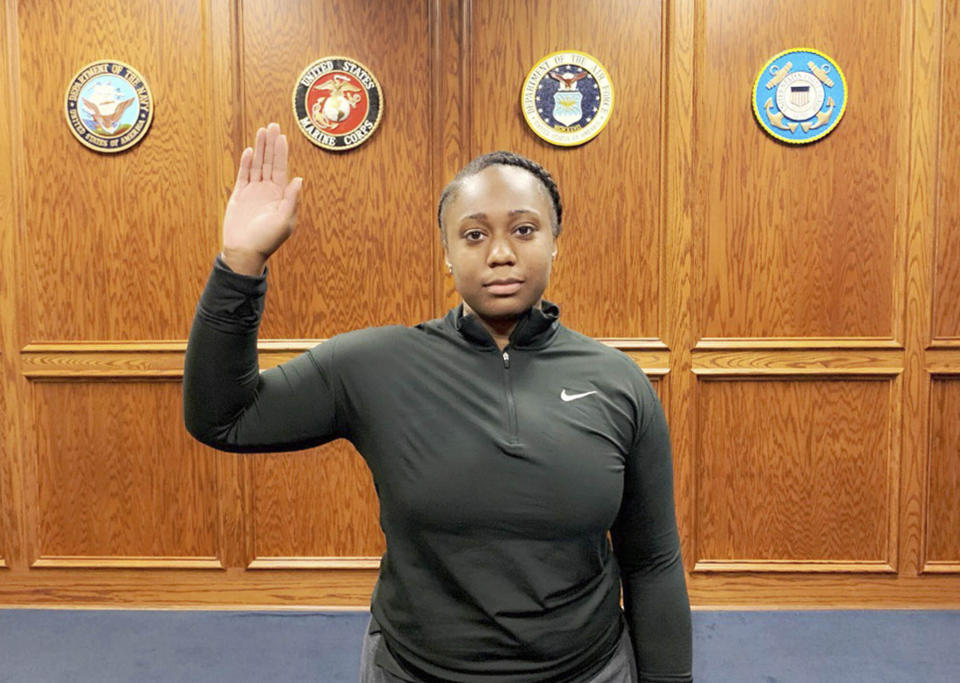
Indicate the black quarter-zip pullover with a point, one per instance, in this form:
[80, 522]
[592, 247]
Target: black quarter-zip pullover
[499, 475]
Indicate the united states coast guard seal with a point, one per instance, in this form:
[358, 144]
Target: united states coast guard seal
[337, 103]
[799, 96]
[108, 106]
[567, 98]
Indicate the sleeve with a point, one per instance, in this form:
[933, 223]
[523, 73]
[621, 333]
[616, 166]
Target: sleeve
[647, 547]
[227, 402]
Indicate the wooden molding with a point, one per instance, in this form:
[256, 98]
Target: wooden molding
[109, 562]
[315, 563]
[940, 567]
[942, 361]
[795, 343]
[163, 360]
[817, 566]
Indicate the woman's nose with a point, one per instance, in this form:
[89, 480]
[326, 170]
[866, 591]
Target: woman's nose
[501, 252]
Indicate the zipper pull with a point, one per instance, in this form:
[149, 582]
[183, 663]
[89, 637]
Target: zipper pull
[506, 360]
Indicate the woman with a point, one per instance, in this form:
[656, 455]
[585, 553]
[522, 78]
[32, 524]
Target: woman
[503, 445]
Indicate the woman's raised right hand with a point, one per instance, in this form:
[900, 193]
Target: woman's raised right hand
[262, 210]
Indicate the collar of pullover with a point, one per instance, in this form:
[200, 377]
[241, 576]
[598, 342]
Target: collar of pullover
[534, 329]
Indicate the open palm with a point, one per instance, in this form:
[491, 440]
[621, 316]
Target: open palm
[261, 213]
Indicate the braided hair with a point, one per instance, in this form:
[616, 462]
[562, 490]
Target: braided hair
[504, 159]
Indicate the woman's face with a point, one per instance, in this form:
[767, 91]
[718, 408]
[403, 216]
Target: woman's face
[499, 242]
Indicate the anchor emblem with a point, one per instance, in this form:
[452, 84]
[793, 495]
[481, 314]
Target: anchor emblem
[799, 101]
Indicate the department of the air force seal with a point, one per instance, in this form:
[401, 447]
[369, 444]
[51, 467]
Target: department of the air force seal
[109, 106]
[567, 98]
[337, 103]
[799, 96]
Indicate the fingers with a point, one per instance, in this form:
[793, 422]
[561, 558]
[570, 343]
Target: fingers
[273, 131]
[256, 169]
[280, 160]
[291, 195]
[243, 173]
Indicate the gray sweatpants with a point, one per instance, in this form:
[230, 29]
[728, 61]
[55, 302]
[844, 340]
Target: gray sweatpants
[620, 669]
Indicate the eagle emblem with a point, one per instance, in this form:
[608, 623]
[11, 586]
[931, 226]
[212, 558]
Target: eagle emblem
[567, 98]
[109, 106]
[337, 103]
[799, 96]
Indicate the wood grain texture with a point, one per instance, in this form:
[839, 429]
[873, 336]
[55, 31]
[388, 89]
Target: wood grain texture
[943, 503]
[350, 588]
[816, 488]
[676, 181]
[111, 242]
[119, 476]
[790, 305]
[745, 363]
[12, 529]
[946, 312]
[799, 241]
[364, 253]
[925, 96]
[607, 277]
[318, 503]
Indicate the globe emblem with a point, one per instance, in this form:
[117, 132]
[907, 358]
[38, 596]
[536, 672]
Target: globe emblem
[336, 108]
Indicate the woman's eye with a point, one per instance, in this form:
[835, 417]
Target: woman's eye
[525, 230]
[473, 235]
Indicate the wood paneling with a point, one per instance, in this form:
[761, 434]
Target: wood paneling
[112, 246]
[782, 299]
[943, 503]
[799, 241]
[317, 504]
[608, 272]
[946, 312]
[793, 471]
[119, 477]
[365, 251]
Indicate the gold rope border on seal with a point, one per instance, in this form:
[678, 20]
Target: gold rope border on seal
[606, 74]
[763, 70]
[146, 126]
[296, 119]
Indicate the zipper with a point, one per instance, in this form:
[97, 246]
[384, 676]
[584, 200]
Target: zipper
[511, 403]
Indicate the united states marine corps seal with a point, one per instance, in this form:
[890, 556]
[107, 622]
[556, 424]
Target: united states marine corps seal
[337, 103]
[567, 98]
[108, 106]
[799, 96]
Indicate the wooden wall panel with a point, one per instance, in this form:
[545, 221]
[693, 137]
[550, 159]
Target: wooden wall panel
[111, 239]
[607, 275]
[946, 312]
[365, 252]
[318, 504]
[782, 299]
[794, 471]
[799, 242]
[118, 476]
[943, 502]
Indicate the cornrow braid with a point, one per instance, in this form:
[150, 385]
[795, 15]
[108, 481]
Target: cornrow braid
[503, 158]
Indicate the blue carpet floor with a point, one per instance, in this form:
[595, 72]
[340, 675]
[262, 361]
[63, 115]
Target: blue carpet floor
[896, 646]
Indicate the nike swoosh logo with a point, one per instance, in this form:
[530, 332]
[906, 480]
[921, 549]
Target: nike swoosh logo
[573, 397]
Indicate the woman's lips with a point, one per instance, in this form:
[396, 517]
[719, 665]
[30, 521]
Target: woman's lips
[504, 288]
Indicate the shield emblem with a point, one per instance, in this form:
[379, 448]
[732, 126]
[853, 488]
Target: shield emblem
[566, 106]
[800, 95]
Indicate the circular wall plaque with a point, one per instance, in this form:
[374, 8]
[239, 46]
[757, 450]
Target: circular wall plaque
[337, 103]
[567, 98]
[108, 106]
[799, 96]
